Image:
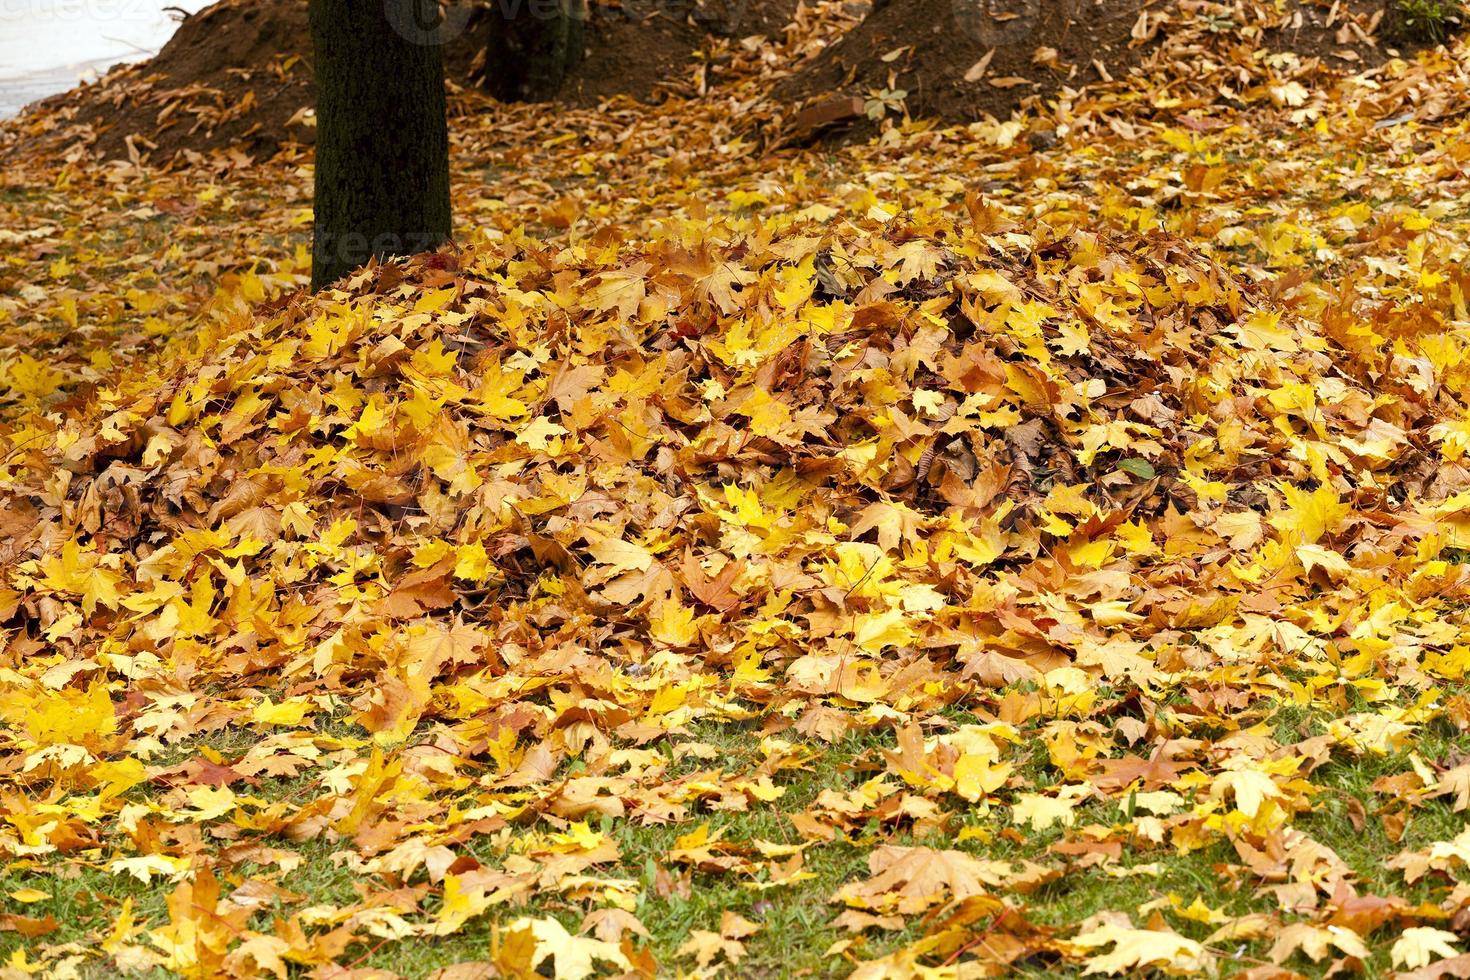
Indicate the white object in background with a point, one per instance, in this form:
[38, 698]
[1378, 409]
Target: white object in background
[47, 46]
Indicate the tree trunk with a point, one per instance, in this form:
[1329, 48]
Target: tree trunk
[535, 45]
[382, 149]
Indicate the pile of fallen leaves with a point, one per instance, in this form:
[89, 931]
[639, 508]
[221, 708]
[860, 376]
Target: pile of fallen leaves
[1070, 514]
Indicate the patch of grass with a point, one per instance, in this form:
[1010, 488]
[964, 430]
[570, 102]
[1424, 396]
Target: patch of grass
[1426, 21]
[797, 920]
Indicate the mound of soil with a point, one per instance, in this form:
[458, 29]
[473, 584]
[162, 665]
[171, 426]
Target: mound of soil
[645, 48]
[961, 60]
[237, 75]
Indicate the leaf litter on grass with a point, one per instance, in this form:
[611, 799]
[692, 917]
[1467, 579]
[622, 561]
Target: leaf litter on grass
[939, 530]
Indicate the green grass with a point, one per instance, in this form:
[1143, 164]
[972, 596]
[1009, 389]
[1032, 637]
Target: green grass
[797, 920]
[1426, 21]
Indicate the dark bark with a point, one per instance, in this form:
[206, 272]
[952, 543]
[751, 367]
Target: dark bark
[382, 149]
[535, 44]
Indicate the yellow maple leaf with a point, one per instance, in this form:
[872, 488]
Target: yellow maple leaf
[288, 713]
[1141, 949]
[573, 957]
[28, 896]
[1042, 811]
[1309, 514]
[460, 904]
[1419, 946]
[623, 556]
[71, 716]
[977, 776]
[494, 394]
[84, 573]
[673, 623]
[875, 632]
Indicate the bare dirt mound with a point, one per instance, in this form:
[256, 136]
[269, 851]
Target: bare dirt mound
[649, 48]
[238, 74]
[955, 59]
[960, 60]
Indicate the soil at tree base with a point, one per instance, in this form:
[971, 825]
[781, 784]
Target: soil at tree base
[237, 75]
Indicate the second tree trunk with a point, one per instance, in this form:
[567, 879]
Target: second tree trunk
[535, 44]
